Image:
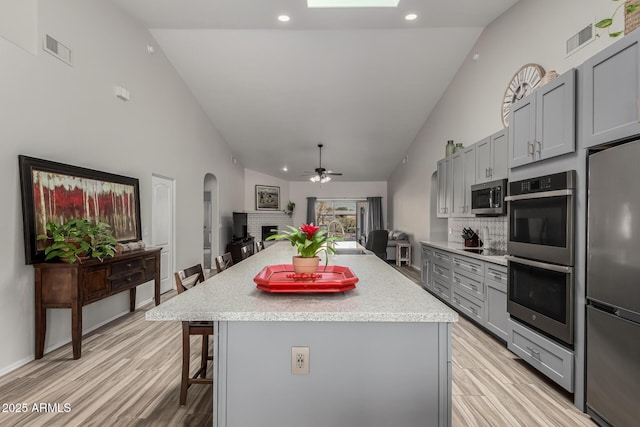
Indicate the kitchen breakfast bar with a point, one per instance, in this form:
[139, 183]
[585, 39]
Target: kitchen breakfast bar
[379, 355]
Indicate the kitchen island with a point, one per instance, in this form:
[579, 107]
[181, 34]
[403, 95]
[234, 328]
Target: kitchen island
[379, 355]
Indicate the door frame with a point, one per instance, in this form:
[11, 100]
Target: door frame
[172, 245]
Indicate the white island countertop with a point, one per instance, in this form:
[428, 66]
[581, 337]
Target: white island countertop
[382, 294]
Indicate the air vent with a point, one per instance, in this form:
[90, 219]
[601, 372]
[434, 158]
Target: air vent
[583, 37]
[57, 49]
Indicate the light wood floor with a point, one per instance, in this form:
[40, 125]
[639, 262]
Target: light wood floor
[129, 375]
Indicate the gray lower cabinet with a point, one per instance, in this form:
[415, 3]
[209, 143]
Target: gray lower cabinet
[441, 274]
[425, 271]
[475, 288]
[553, 360]
[610, 92]
[495, 313]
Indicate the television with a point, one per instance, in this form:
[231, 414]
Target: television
[240, 226]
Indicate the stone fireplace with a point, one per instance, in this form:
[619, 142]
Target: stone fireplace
[267, 231]
[258, 222]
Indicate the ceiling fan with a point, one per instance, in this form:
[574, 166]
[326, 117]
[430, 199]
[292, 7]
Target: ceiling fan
[321, 174]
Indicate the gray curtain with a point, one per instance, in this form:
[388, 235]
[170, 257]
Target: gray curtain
[311, 210]
[375, 214]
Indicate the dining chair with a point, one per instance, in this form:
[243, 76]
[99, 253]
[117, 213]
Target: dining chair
[245, 252]
[224, 261]
[185, 280]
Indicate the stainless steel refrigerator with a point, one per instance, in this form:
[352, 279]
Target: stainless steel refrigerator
[613, 286]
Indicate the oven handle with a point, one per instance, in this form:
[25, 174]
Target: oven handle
[555, 193]
[544, 265]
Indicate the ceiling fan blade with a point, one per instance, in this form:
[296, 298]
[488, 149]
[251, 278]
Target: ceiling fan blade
[333, 173]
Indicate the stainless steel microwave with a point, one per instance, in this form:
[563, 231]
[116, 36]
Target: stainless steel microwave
[488, 198]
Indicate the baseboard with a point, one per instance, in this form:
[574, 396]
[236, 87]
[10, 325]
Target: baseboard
[56, 346]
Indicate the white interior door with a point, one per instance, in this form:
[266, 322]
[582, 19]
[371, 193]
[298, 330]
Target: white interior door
[162, 227]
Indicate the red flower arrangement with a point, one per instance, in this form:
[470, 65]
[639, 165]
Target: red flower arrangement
[308, 239]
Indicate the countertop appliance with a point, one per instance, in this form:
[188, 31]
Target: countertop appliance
[487, 199]
[613, 286]
[540, 291]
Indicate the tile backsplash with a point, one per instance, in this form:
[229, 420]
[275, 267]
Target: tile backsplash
[497, 227]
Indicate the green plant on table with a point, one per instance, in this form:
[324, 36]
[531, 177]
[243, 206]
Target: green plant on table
[308, 239]
[608, 22]
[78, 238]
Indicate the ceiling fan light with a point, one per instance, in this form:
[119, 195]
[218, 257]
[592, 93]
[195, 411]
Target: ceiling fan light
[325, 179]
[314, 178]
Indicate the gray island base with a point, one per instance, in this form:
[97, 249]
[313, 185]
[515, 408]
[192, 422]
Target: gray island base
[379, 355]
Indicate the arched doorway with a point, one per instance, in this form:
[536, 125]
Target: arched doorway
[211, 221]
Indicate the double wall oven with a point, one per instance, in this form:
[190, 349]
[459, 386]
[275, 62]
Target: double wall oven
[541, 253]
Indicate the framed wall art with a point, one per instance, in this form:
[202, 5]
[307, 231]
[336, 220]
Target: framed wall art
[55, 192]
[267, 198]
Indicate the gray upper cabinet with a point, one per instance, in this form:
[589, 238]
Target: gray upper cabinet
[491, 157]
[611, 92]
[542, 125]
[463, 177]
[469, 177]
[457, 176]
[444, 187]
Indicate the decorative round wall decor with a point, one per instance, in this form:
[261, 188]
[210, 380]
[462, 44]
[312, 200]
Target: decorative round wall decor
[523, 82]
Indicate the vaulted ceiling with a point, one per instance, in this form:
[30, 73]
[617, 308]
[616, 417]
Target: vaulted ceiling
[361, 81]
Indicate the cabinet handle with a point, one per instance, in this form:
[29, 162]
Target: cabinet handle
[486, 172]
[473, 310]
[457, 263]
[475, 288]
[539, 150]
[129, 265]
[456, 279]
[497, 276]
[529, 148]
[535, 353]
[456, 300]
[490, 172]
[475, 270]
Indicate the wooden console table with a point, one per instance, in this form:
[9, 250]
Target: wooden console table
[63, 285]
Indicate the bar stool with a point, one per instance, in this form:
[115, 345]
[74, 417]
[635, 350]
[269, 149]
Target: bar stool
[403, 253]
[185, 280]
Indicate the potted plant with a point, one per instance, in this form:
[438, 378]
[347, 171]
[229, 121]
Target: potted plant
[78, 239]
[290, 208]
[309, 241]
[629, 8]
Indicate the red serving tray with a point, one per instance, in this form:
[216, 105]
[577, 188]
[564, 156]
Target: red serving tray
[281, 278]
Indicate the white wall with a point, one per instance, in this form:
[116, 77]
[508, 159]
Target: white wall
[253, 178]
[531, 31]
[299, 191]
[70, 114]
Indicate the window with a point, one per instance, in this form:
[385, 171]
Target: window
[341, 217]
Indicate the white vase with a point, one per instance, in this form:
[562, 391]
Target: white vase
[305, 265]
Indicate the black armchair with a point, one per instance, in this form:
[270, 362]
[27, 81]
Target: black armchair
[377, 243]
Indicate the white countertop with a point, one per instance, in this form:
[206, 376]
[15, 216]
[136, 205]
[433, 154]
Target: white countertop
[459, 248]
[381, 295]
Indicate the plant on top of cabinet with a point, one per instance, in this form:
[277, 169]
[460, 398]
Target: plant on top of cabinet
[629, 8]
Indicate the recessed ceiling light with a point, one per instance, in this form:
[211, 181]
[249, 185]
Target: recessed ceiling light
[411, 17]
[283, 18]
[285, 169]
[352, 3]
